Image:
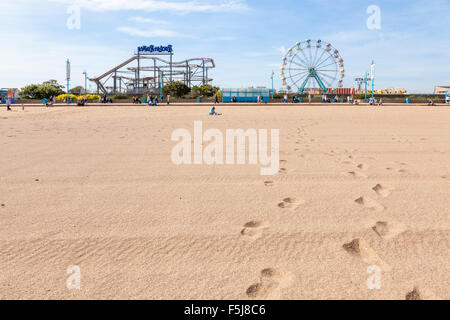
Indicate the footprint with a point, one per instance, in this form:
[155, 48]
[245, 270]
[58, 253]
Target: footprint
[421, 294]
[383, 190]
[290, 203]
[269, 286]
[358, 174]
[257, 290]
[271, 274]
[283, 162]
[269, 183]
[363, 166]
[402, 171]
[445, 177]
[370, 204]
[359, 248]
[253, 230]
[283, 171]
[388, 230]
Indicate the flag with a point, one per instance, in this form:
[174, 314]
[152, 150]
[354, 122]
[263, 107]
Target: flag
[68, 69]
[372, 71]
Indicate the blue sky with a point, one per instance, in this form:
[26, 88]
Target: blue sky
[244, 37]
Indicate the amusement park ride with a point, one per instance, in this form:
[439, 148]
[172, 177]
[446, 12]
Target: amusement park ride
[150, 72]
[311, 65]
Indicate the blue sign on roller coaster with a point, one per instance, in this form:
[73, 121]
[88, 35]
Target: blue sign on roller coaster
[153, 49]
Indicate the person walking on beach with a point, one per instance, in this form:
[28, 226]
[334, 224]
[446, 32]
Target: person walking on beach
[168, 99]
[217, 99]
[8, 105]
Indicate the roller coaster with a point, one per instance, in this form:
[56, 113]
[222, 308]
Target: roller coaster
[147, 73]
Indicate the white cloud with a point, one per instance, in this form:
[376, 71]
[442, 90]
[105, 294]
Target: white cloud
[149, 20]
[150, 33]
[158, 5]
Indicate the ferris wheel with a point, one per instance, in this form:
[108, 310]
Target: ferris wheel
[315, 63]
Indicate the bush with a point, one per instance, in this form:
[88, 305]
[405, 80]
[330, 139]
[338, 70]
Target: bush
[89, 97]
[177, 89]
[77, 90]
[120, 96]
[63, 97]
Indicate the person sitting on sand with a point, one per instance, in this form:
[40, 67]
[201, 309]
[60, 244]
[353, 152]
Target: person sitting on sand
[213, 112]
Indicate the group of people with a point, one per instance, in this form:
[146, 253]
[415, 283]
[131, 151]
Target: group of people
[82, 102]
[136, 100]
[260, 100]
[50, 101]
[374, 102]
[105, 99]
[154, 100]
[150, 100]
[296, 99]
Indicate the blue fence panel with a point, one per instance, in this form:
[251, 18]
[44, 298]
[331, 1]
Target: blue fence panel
[245, 95]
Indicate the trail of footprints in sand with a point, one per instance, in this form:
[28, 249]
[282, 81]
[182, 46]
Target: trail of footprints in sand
[386, 230]
[271, 280]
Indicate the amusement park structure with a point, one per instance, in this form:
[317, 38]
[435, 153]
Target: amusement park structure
[150, 69]
[310, 65]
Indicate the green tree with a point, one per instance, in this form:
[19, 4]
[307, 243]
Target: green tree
[208, 90]
[177, 89]
[79, 90]
[195, 92]
[205, 90]
[41, 91]
[46, 91]
[55, 84]
[31, 91]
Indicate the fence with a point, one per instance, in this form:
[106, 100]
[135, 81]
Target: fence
[246, 95]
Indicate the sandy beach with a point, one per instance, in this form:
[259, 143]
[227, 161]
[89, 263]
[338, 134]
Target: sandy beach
[360, 190]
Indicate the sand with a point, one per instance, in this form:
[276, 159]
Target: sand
[360, 190]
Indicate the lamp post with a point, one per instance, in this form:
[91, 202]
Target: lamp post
[273, 74]
[161, 83]
[85, 84]
[365, 82]
[372, 76]
[68, 79]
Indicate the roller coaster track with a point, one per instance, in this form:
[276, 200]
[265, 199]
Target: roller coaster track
[206, 63]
